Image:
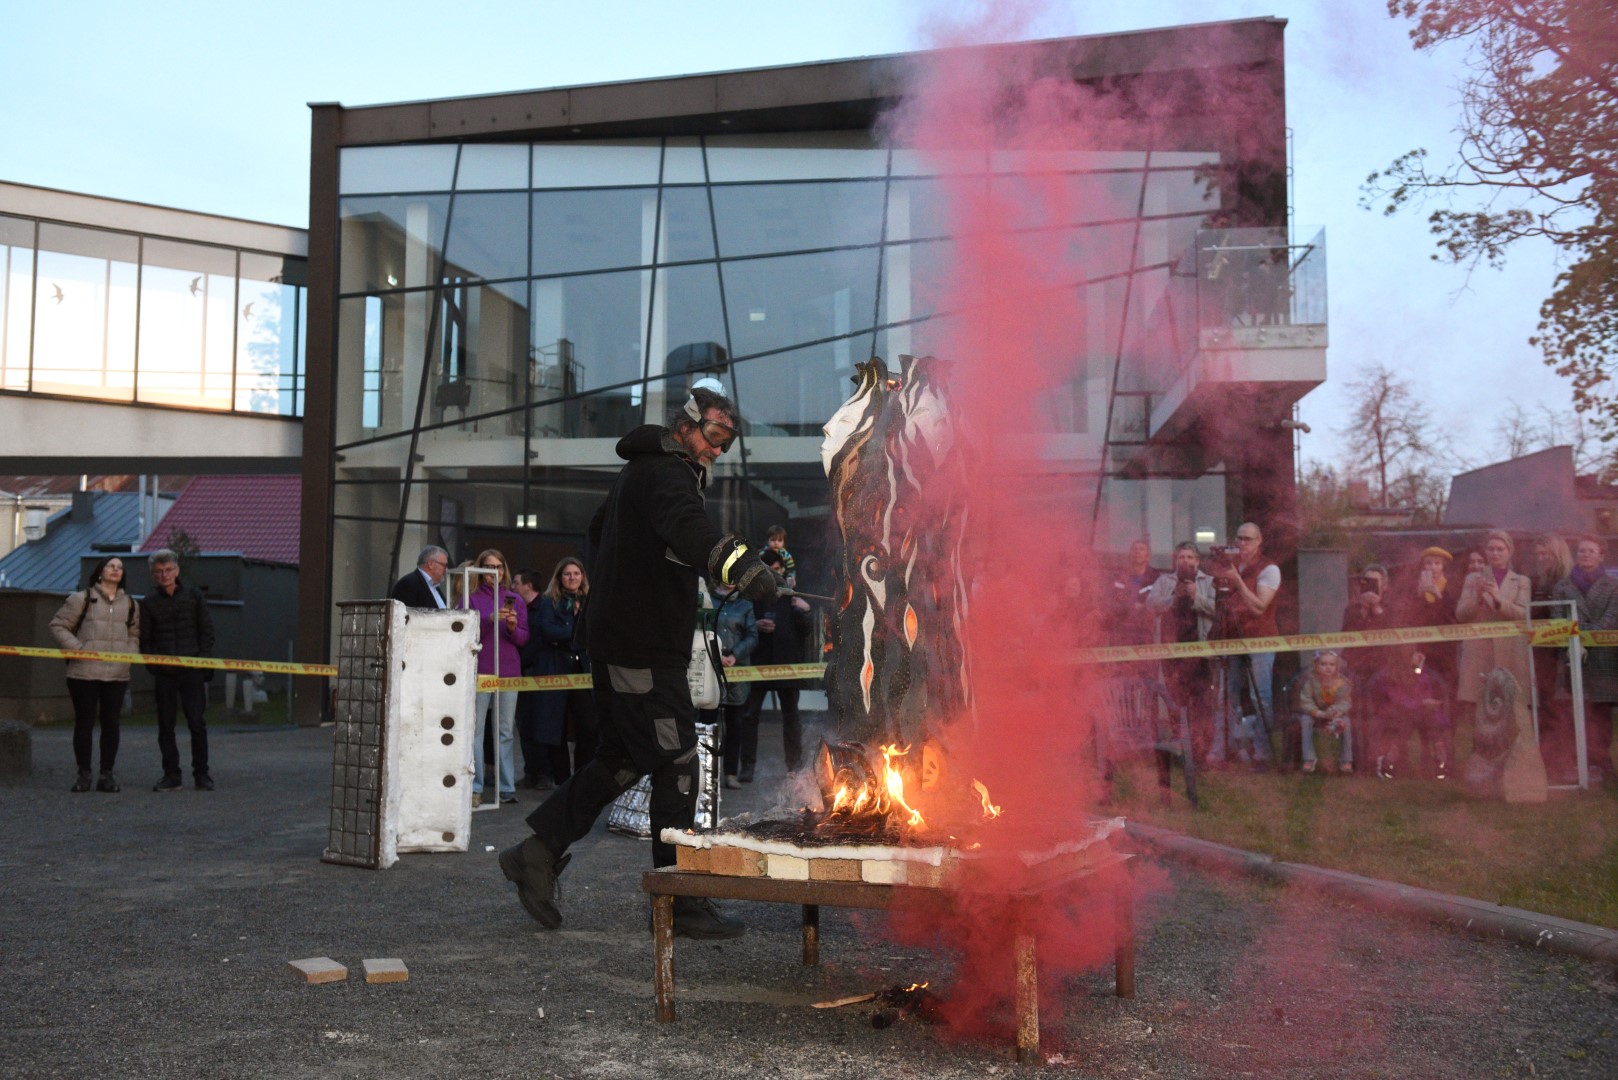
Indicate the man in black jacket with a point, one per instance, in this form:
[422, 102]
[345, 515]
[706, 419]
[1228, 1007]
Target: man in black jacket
[423, 586]
[174, 621]
[651, 539]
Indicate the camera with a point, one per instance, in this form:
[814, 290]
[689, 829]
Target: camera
[1222, 558]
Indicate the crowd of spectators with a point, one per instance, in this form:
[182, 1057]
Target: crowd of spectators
[1399, 706]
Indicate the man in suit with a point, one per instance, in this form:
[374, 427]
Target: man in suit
[422, 587]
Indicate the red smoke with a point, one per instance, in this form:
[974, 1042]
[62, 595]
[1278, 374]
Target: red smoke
[1020, 335]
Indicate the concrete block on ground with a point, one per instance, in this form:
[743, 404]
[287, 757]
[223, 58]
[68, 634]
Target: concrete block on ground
[390, 970]
[319, 969]
[16, 750]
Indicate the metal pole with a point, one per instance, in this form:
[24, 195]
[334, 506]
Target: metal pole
[1575, 679]
[466, 573]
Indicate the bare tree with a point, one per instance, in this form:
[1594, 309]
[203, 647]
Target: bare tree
[1539, 149]
[1520, 431]
[1390, 433]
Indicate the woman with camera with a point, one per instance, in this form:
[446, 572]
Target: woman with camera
[494, 601]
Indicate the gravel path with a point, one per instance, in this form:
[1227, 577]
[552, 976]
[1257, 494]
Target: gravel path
[146, 935]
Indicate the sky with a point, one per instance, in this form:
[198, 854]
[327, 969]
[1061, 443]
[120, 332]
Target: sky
[204, 107]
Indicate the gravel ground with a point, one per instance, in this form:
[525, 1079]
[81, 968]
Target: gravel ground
[146, 935]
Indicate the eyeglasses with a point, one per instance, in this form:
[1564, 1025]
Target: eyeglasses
[1240, 539]
[491, 566]
[719, 436]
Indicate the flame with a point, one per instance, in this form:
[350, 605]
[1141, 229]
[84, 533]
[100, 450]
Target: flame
[989, 809]
[896, 783]
[913, 987]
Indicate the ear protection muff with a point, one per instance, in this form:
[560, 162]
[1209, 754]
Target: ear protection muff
[692, 410]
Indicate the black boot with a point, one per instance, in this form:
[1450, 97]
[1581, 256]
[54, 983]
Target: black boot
[535, 870]
[699, 917]
[108, 782]
[83, 782]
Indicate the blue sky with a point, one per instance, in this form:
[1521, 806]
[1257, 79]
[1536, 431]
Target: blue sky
[204, 106]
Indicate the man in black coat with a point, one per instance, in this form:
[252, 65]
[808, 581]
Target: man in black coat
[423, 586]
[783, 626]
[174, 621]
[651, 539]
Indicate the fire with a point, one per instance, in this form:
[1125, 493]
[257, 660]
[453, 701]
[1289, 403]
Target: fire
[989, 809]
[896, 784]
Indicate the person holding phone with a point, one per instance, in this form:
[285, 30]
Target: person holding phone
[494, 600]
[1369, 608]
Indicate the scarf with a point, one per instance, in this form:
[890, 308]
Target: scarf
[1328, 694]
[1500, 576]
[1582, 579]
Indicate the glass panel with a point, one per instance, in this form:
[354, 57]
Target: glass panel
[366, 169]
[485, 167]
[589, 332]
[762, 218]
[687, 227]
[390, 242]
[1050, 201]
[607, 162]
[688, 335]
[774, 303]
[795, 393]
[809, 155]
[592, 230]
[84, 313]
[939, 162]
[360, 550]
[682, 160]
[486, 237]
[483, 360]
[187, 324]
[267, 334]
[381, 346]
[16, 300]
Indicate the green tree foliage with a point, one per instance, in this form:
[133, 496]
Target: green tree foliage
[1539, 153]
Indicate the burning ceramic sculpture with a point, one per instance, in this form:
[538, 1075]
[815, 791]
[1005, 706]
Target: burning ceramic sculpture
[898, 675]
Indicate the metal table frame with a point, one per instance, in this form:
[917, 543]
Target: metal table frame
[665, 884]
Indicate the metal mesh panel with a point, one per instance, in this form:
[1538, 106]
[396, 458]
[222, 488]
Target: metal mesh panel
[355, 833]
[630, 813]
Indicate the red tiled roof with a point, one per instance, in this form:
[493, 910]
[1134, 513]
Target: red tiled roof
[255, 515]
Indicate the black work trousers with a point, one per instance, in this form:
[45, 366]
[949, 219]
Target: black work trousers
[786, 694]
[95, 699]
[647, 726]
[182, 690]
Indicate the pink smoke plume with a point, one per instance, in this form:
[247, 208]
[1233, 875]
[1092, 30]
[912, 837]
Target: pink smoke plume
[1018, 330]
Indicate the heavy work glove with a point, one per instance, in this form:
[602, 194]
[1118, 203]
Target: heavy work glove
[731, 563]
[757, 582]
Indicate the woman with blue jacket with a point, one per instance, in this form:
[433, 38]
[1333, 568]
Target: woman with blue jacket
[554, 718]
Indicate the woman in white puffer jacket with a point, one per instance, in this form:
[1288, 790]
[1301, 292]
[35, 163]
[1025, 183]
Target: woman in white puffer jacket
[101, 618]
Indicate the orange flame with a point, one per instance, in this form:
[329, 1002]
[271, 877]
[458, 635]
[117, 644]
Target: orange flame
[896, 783]
[989, 809]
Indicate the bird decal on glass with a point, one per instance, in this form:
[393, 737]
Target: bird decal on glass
[56, 293]
[247, 312]
[196, 285]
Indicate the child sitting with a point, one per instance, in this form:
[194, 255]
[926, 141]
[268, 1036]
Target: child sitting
[1325, 699]
[1411, 699]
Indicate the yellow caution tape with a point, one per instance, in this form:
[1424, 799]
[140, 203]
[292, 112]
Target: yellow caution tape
[272, 667]
[753, 673]
[1551, 632]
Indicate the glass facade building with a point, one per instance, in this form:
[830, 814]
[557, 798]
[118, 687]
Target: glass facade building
[126, 316]
[502, 287]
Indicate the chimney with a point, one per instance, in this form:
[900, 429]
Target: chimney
[83, 507]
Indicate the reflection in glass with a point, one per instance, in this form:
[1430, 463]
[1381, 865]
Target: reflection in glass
[187, 324]
[84, 313]
[390, 242]
[482, 359]
[485, 167]
[368, 169]
[762, 218]
[16, 293]
[588, 332]
[799, 155]
[775, 303]
[268, 330]
[592, 230]
[687, 226]
[382, 343]
[795, 393]
[596, 163]
[486, 238]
